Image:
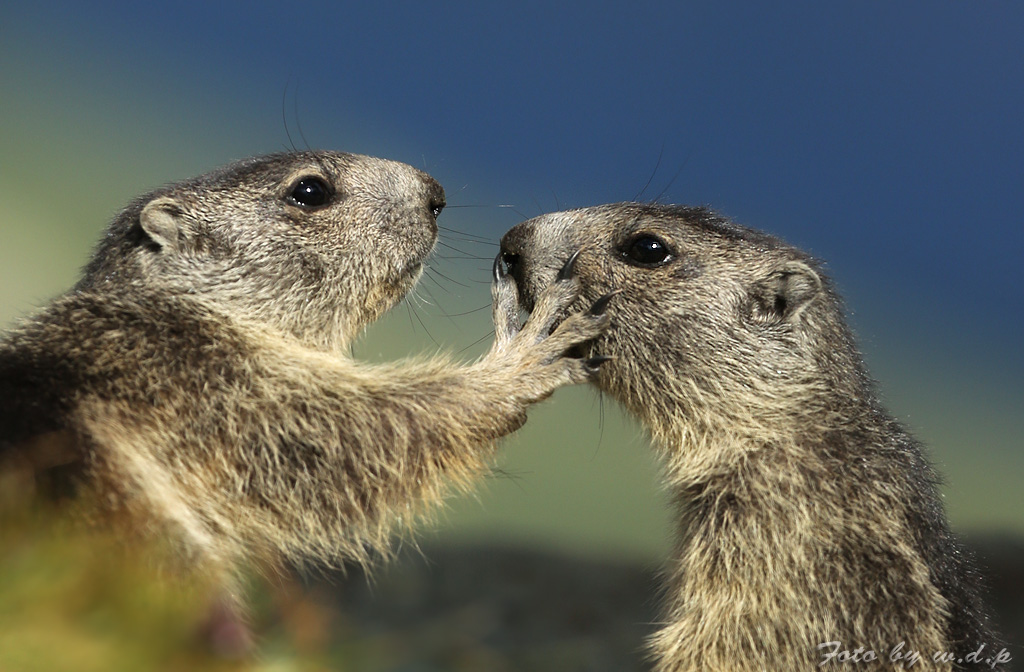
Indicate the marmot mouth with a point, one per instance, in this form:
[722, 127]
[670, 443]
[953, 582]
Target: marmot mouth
[527, 303]
[405, 278]
[411, 271]
[578, 351]
[526, 292]
[526, 300]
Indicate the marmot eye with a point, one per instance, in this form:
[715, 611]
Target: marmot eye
[310, 192]
[646, 250]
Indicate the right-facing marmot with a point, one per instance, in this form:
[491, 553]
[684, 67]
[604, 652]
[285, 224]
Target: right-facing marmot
[196, 379]
[810, 521]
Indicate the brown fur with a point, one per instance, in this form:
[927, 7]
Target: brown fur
[807, 514]
[196, 379]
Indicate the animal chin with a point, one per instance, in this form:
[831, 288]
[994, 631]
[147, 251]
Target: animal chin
[403, 280]
[410, 273]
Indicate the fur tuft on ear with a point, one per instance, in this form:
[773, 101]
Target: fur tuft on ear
[785, 293]
[162, 221]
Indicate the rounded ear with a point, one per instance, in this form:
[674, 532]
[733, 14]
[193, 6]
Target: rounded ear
[785, 293]
[163, 222]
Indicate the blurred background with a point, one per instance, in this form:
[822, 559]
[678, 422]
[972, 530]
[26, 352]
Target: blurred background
[885, 138]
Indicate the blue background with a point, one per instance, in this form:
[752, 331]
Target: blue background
[885, 137]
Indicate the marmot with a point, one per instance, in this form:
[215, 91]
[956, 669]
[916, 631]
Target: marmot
[810, 526]
[196, 379]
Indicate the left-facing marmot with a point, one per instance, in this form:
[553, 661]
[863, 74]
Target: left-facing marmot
[810, 522]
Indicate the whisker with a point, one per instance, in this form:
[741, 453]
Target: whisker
[298, 121]
[459, 231]
[431, 270]
[600, 423]
[422, 324]
[408, 310]
[455, 249]
[430, 277]
[470, 312]
[437, 304]
[674, 177]
[415, 297]
[284, 114]
[476, 342]
[654, 172]
[516, 210]
[475, 242]
[515, 478]
[459, 257]
[467, 236]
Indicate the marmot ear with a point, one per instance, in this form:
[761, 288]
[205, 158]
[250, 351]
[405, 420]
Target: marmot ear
[163, 222]
[785, 293]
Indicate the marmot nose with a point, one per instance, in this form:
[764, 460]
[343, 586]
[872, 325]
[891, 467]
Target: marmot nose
[435, 197]
[513, 266]
[513, 248]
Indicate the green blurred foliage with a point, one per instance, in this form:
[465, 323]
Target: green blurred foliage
[71, 599]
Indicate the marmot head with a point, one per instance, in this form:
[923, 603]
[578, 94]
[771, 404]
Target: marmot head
[715, 325]
[317, 244]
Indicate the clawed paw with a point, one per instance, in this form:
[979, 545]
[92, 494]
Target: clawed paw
[551, 344]
[594, 363]
[504, 306]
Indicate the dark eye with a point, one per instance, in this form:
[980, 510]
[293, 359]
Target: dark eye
[646, 250]
[310, 192]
